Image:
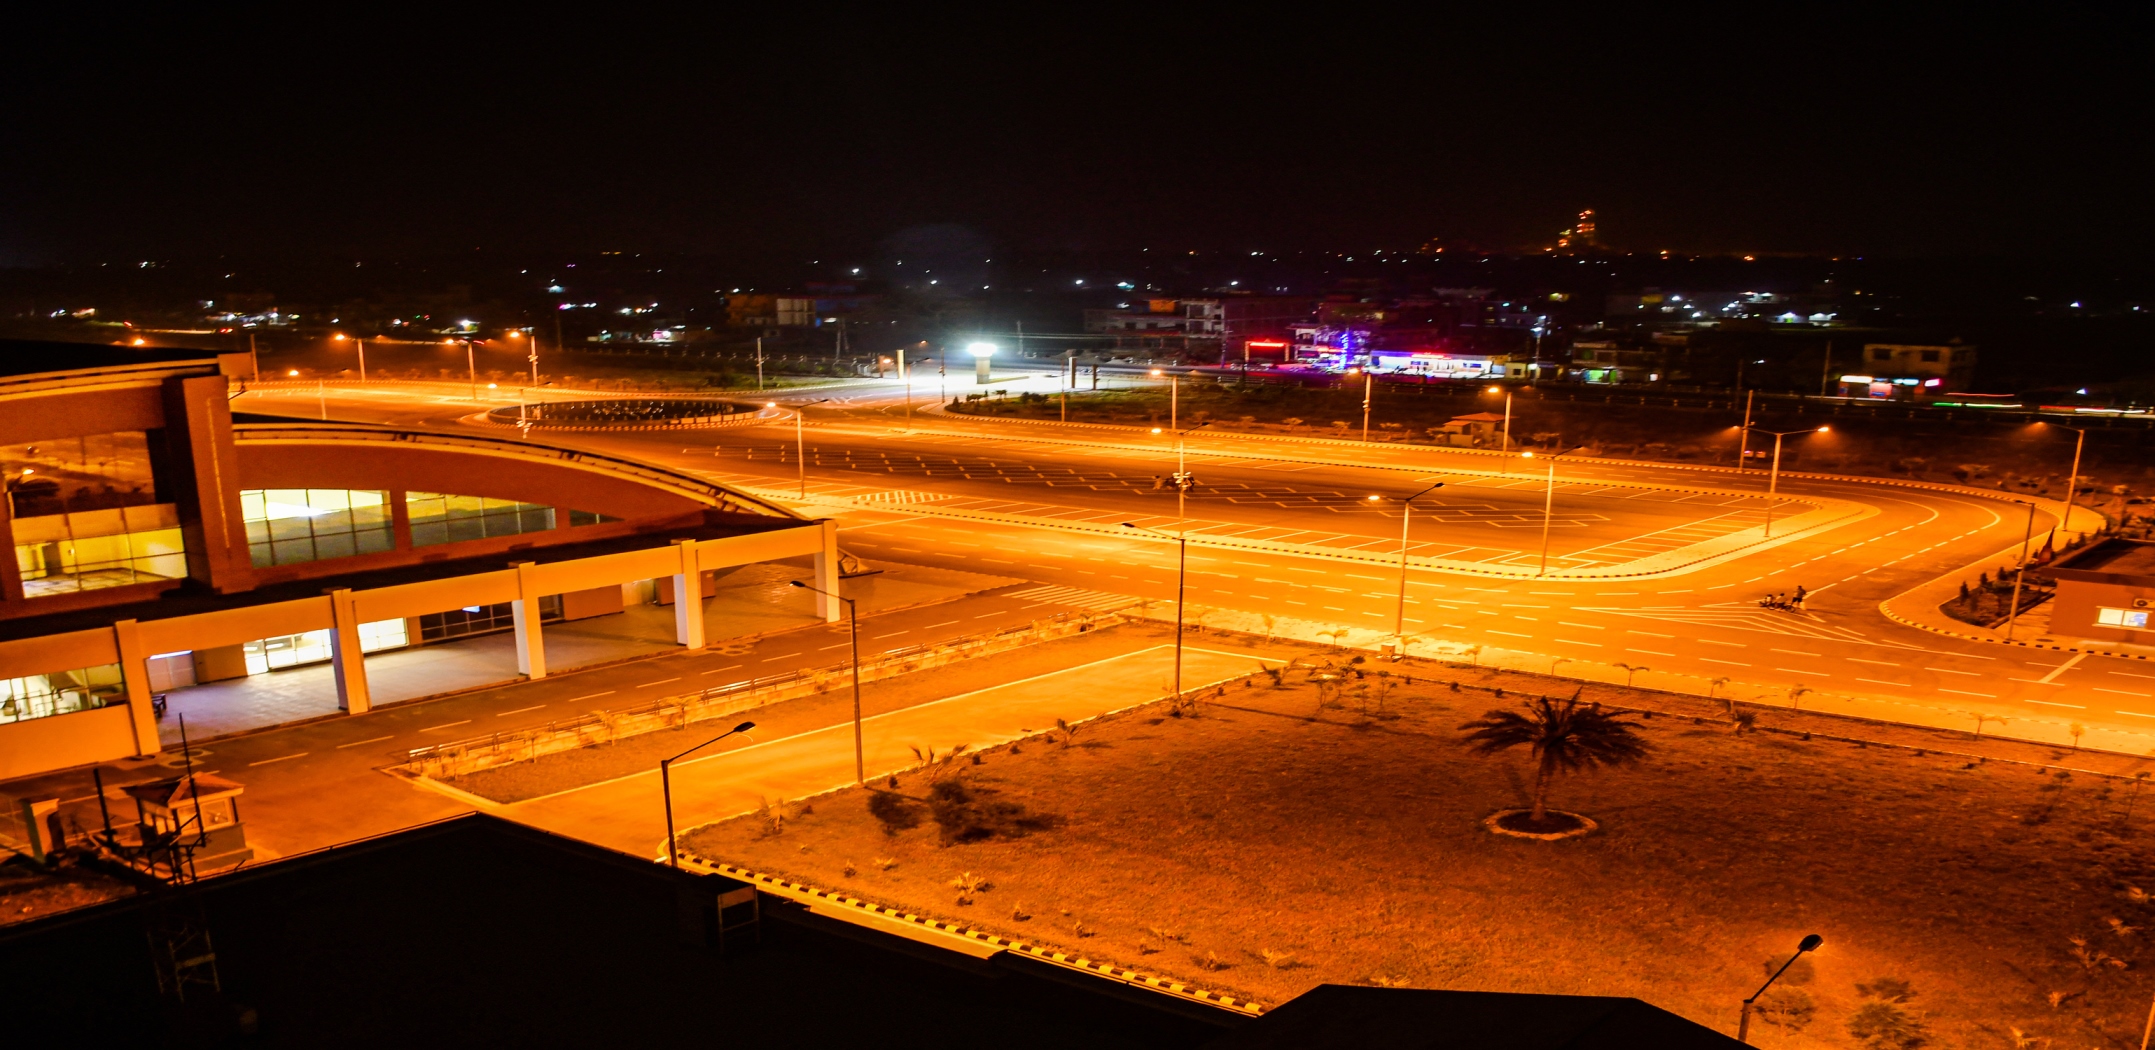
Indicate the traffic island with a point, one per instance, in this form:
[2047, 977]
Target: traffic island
[1272, 837]
[1554, 826]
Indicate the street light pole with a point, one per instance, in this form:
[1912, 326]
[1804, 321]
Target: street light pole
[1406, 515]
[1369, 387]
[1773, 479]
[362, 345]
[1182, 471]
[665, 780]
[1507, 414]
[2026, 537]
[471, 367]
[2072, 481]
[1810, 942]
[1182, 561]
[800, 442]
[853, 624]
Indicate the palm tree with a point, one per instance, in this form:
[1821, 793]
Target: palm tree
[1565, 737]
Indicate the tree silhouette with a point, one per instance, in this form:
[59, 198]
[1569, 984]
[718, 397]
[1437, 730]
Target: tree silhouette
[1563, 735]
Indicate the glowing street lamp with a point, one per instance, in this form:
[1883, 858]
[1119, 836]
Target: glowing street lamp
[1406, 515]
[1507, 413]
[1548, 504]
[1809, 943]
[665, 781]
[981, 353]
[1773, 480]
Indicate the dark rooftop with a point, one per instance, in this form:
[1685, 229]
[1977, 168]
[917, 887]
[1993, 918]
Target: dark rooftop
[22, 357]
[2116, 556]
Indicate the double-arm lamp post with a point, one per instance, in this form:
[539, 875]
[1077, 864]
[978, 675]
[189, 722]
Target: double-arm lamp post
[1773, 480]
[665, 780]
[1406, 515]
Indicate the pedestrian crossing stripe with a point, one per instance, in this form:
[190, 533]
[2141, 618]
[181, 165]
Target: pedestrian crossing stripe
[1098, 601]
[898, 496]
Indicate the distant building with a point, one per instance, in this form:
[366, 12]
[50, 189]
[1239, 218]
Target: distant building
[1254, 328]
[1911, 372]
[2106, 593]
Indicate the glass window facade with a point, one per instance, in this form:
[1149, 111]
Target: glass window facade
[585, 517]
[59, 693]
[289, 526]
[296, 650]
[2137, 619]
[86, 550]
[442, 518]
[481, 619]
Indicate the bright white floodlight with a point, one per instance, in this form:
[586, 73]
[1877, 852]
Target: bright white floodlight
[980, 349]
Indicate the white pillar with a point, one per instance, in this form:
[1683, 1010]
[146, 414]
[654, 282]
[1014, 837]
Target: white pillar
[135, 675]
[346, 663]
[688, 597]
[828, 609]
[530, 644]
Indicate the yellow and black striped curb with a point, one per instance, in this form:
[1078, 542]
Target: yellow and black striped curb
[1921, 626]
[1049, 955]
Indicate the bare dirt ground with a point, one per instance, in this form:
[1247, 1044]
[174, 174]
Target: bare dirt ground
[28, 892]
[639, 754]
[1267, 845]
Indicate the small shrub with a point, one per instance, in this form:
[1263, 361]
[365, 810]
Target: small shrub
[1786, 1008]
[1882, 1025]
[895, 812]
[971, 814]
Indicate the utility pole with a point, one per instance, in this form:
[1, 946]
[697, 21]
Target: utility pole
[255, 357]
[533, 357]
[362, 345]
[1825, 372]
[759, 364]
[2026, 537]
[471, 366]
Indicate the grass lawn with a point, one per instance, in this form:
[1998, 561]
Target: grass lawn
[1266, 845]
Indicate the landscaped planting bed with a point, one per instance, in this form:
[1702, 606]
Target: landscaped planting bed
[1268, 842]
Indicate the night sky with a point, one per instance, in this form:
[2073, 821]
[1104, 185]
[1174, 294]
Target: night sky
[603, 128]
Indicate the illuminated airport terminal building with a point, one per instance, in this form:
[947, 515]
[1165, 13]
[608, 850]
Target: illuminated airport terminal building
[162, 541]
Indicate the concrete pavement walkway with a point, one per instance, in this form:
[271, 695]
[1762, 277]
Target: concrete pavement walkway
[629, 813]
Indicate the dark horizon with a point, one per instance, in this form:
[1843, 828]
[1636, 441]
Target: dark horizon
[155, 137]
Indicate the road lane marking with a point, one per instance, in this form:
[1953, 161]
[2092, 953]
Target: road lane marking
[894, 634]
[369, 740]
[1874, 681]
[1860, 660]
[661, 681]
[1650, 652]
[2136, 714]
[1711, 660]
[1733, 645]
[1653, 634]
[2121, 692]
[933, 626]
[281, 758]
[1798, 670]
[593, 696]
[446, 725]
[2052, 703]
[1962, 692]
[2064, 667]
[1591, 645]
[768, 659]
[730, 667]
[1588, 626]
[518, 711]
[2129, 674]
[1948, 670]
[1794, 652]
[1509, 634]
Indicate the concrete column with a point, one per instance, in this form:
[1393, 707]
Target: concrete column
[688, 597]
[829, 609]
[10, 570]
[346, 663]
[135, 673]
[530, 645]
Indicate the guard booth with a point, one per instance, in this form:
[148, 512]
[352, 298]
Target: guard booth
[187, 810]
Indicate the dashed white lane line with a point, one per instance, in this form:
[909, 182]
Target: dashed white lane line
[1711, 660]
[1650, 634]
[1860, 660]
[1588, 626]
[446, 725]
[1568, 641]
[781, 656]
[518, 711]
[1733, 645]
[1509, 634]
[280, 758]
[720, 670]
[592, 696]
[2136, 714]
[1650, 652]
[1798, 670]
[2053, 703]
[2120, 692]
[1948, 670]
[661, 681]
[1796, 652]
[369, 740]
[1963, 692]
[1874, 681]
